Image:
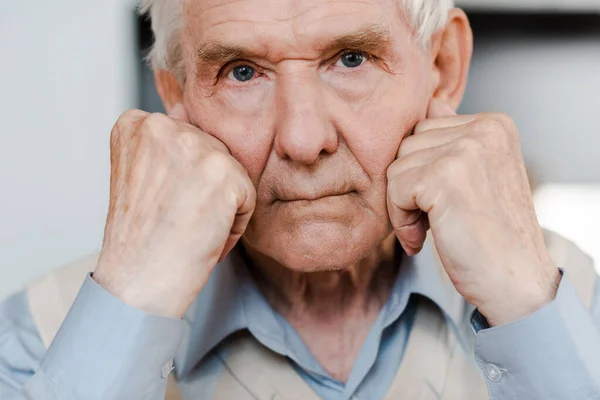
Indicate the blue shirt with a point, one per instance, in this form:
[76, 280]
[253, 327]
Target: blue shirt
[104, 341]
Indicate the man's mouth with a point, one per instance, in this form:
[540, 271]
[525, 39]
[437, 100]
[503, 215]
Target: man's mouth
[304, 197]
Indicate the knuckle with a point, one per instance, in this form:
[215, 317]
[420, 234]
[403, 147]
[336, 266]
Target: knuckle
[493, 132]
[129, 119]
[391, 172]
[449, 167]
[115, 137]
[220, 172]
[505, 120]
[132, 116]
[188, 143]
[126, 123]
[487, 125]
[197, 140]
[252, 195]
[399, 167]
[496, 123]
[423, 126]
[218, 145]
[156, 122]
[406, 146]
[394, 168]
[212, 163]
[219, 163]
[157, 126]
[470, 144]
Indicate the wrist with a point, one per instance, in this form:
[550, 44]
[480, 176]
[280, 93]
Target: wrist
[158, 298]
[519, 300]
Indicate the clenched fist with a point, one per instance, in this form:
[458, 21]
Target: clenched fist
[464, 177]
[178, 203]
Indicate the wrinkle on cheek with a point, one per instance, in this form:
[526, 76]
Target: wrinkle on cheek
[246, 131]
[357, 94]
[372, 85]
[249, 141]
[373, 95]
[374, 131]
[253, 151]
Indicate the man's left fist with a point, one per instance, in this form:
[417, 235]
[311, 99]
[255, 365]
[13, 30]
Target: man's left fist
[464, 177]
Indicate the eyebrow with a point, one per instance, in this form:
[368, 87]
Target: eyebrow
[370, 38]
[373, 38]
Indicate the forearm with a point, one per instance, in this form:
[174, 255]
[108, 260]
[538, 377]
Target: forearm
[104, 350]
[552, 354]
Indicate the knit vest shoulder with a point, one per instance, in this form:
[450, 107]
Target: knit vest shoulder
[437, 364]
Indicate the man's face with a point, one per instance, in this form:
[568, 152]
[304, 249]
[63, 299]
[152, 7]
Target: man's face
[313, 98]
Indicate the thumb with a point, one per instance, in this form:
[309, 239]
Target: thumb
[178, 112]
[440, 109]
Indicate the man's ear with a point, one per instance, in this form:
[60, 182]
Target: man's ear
[451, 49]
[169, 89]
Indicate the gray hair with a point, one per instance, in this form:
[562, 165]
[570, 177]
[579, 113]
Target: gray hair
[425, 16]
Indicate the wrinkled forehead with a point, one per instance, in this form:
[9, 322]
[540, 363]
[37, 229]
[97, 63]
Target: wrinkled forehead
[289, 26]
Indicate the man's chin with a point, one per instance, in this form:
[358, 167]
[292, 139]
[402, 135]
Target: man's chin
[315, 260]
[320, 248]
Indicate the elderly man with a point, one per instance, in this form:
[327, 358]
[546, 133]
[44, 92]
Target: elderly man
[267, 239]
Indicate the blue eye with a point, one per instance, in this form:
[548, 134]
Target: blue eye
[351, 59]
[242, 73]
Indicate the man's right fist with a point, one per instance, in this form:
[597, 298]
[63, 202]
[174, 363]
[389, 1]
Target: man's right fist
[178, 204]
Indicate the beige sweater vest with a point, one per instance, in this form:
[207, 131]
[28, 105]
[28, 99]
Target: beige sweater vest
[435, 365]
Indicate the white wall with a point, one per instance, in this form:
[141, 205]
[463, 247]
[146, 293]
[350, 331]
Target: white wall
[552, 90]
[573, 211]
[67, 71]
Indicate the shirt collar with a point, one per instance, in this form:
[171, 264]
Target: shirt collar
[429, 279]
[216, 313]
[220, 309]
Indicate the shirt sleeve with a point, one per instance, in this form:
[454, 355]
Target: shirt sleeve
[105, 349]
[551, 354]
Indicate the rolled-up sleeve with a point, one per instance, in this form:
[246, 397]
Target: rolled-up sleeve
[105, 350]
[552, 354]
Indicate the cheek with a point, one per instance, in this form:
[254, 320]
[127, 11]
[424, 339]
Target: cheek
[246, 131]
[374, 131]
[389, 106]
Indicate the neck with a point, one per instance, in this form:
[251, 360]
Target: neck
[332, 311]
[328, 293]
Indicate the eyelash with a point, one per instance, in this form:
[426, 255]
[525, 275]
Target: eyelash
[367, 57]
[227, 68]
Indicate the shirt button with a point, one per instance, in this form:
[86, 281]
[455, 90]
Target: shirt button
[166, 369]
[493, 373]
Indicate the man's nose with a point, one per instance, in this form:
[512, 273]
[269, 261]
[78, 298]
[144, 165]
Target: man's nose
[303, 128]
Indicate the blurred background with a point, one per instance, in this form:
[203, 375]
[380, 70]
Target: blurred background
[70, 68]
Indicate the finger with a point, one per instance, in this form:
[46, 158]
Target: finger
[412, 237]
[125, 127]
[406, 225]
[246, 205]
[179, 112]
[440, 123]
[435, 138]
[441, 115]
[240, 223]
[123, 142]
[416, 154]
[410, 227]
[404, 210]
